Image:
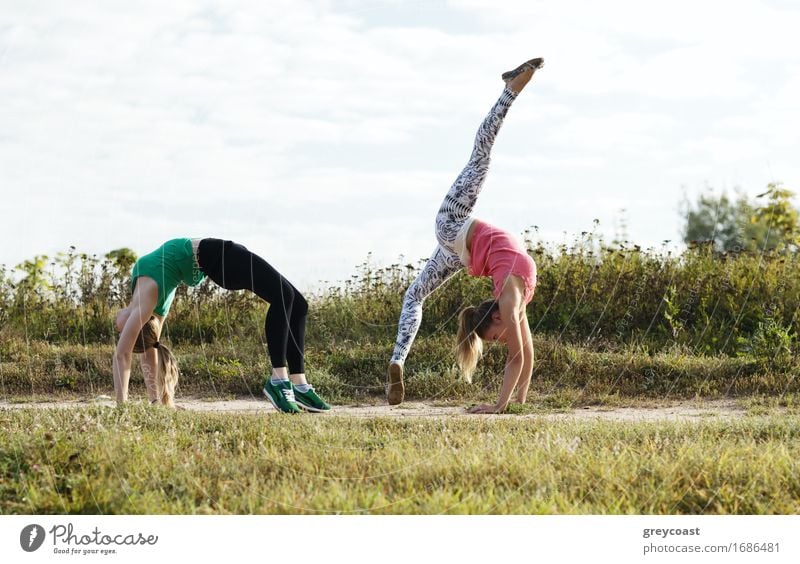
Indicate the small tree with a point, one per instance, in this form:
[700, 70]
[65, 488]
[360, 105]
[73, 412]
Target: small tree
[123, 258]
[737, 224]
[118, 281]
[780, 216]
[716, 218]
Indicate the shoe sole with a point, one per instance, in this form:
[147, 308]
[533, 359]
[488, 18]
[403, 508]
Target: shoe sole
[534, 64]
[301, 405]
[397, 390]
[272, 401]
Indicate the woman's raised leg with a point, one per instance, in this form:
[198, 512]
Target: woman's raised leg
[463, 194]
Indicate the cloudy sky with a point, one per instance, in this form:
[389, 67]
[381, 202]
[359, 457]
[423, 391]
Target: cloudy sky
[316, 132]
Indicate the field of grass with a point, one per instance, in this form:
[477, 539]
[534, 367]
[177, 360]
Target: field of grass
[612, 326]
[141, 459]
[355, 372]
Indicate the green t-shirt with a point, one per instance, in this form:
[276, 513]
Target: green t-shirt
[169, 265]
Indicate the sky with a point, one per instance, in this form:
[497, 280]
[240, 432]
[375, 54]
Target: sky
[321, 134]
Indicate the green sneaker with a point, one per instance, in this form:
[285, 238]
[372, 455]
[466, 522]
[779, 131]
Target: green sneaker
[281, 396]
[309, 400]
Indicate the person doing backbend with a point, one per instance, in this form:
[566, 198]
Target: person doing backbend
[154, 279]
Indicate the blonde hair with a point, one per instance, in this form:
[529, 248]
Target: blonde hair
[167, 373]
[472, 322]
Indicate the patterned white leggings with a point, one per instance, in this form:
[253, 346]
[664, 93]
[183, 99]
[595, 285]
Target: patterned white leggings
[454, 212]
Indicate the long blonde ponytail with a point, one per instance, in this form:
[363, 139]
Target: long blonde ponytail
[472, 321]
[167, 373]
[167, 377]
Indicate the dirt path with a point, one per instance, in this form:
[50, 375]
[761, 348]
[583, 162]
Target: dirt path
[688, 411]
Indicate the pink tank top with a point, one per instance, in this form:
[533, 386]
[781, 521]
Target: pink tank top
[498, 254]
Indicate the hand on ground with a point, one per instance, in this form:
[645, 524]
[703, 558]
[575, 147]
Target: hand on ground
[484, 408]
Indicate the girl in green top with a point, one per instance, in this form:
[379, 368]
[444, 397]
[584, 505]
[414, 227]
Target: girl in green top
[154, 279]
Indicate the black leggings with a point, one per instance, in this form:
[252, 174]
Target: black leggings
[233, 267]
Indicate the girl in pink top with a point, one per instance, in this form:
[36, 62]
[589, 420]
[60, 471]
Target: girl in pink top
[495, 253]
[486, 251]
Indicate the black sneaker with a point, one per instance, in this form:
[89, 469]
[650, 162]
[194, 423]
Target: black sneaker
[533, 64]
[395, 390]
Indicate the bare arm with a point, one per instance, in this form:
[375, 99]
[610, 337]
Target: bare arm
[131, 320]
[509, 312]
[527, 366]
[121, 363]
[510, 303]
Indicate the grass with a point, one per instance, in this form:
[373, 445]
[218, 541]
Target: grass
[613, 327]
[144, 460]
[568, 375]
